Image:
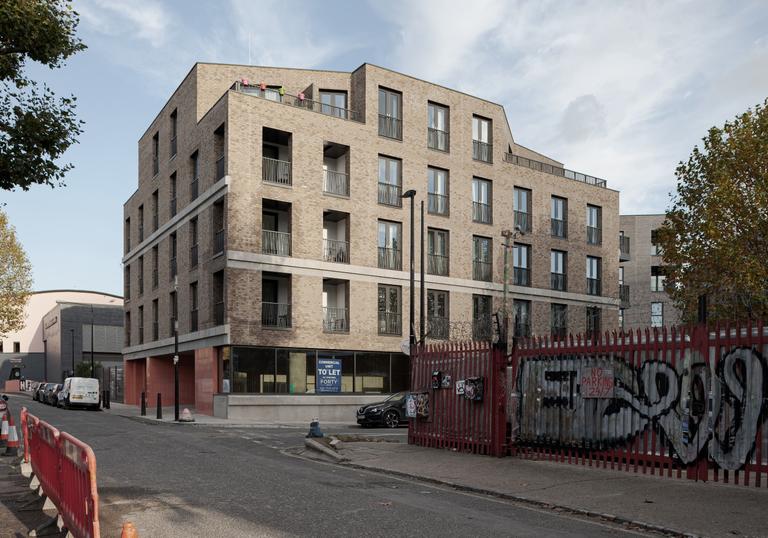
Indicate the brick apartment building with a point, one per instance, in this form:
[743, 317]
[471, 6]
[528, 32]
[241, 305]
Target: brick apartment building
[273, 198]
[644, 303]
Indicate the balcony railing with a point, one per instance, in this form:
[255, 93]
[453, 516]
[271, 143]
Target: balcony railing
[173, 206]
[276, 315]
[390, 258]
[336, 183]
[437, 204]
[335, 251]
[218, 313]
[272, 94]
[559, 281]
[438, 328]
[521, 276]
[390, 323]
[482, 328]
[218, 242]
[482, 270]
[276, 171]
[437, 139]
[593, 286]
[193, 255]
[220, 168]
[482, 151]
[554, 170]
[390, 127]
[437, 264]
[594, 235]
[624, 295]
[559, 228]
[481, 212]
[276, 243]
[194, 189]
[624, 248]
[523, 221]
[389, 194]
[193, 320]
[335, 320]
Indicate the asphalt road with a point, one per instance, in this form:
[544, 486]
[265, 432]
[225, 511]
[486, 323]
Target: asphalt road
[173, 480]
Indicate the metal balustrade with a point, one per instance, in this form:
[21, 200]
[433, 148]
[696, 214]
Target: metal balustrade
[276, 243]
[559, 281]
[482, 151]
[559, 228]
[335, 183]
[276, 171]
[482, 270]
[335, 319]
[437, 264]
[390, 323]
[593, 286]
[437, 204]
[389, 194]
[390, 127]
[481, 212]
[522, 276]
[554, 170]
[390, 258]
[275, 95]
[594, 235]
[276, 315]
[437, 139]
[336, 251]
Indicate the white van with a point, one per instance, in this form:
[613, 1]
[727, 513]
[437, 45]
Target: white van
[79, 391]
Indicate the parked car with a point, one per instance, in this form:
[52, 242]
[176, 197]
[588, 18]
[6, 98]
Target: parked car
[42, 392]
[51, 395]
[79, 391]
[37, 390]
[389, 413]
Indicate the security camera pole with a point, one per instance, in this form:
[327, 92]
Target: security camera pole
[412, 321]
[508, 237]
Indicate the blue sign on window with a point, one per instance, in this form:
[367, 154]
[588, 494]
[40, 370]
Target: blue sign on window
[328, 377]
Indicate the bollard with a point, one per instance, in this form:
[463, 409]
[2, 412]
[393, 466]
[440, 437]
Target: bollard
[143, 404]
[159, 406]
[107, 406]
[129, 531]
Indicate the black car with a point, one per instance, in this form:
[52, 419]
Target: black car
[389, 413]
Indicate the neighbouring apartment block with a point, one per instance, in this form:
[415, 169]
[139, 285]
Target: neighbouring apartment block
[269, 221]
[643, 301]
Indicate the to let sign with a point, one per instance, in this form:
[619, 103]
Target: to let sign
[328, 378]
[597, 383]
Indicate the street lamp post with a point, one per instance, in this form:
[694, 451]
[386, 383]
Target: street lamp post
[72, 333]
[412, 306]
[508, 237]
[422, 321]
[93, 373]
[176, 352]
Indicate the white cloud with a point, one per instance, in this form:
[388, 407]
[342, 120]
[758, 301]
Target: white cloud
[143, 19]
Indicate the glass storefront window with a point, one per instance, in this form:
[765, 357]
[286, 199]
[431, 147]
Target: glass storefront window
[253, 370]
[295, 371]
[401, 372]
[372, 372]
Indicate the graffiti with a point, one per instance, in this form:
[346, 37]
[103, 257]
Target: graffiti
[601, 402]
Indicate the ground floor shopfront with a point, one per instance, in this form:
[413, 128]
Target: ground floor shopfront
[269, 384]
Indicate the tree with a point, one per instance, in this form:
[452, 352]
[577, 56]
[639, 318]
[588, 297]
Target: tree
[15, 279]
[715, 236]
[36, 127]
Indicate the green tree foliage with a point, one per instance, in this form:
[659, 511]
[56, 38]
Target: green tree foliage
[36, 127]
[83, 368]
[15, 279]
[715, 237]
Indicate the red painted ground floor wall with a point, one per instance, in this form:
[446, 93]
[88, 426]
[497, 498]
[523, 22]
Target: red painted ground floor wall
[206, 379]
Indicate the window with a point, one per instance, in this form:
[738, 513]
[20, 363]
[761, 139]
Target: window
[141, 223]
[218, 298]
[195, 184]
[559, 320]
[437, 315]
[193, 306]
[17, 347]
[593, 322]
[482, 328]
[155, 262]
[437, 243]
[390, 251]
[155, 153]
[155, 334]
[334, 103]
[559, 217]
[172, 198]
[174, 302]
[219, 236]
[155, 220]
[482, 147]
[390, 309]
[172, 255]
[141, 325]
[174, 129]
[657, 278]
[558, 265]
[141, 275]
[657, 314]
[127, 283]
[437, 187]
[621, 318]
[655, 247]
[390, 186]
[522, 208]
[482, 210]
[594, 232]
[193, 242]
[521, 257]
[127, 233]
[390, 114]
[437, 126]
[127, 329]
[482, 268]
[593, 275]
[522, 318]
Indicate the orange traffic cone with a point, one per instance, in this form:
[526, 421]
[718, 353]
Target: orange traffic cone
[4, 430]
[12, 445]
[129, 531]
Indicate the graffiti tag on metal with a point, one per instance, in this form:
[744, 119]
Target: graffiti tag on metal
[597, 383]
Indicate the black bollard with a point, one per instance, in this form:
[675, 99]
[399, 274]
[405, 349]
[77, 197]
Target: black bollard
[159, 406]
[107, 406]
[143, 404]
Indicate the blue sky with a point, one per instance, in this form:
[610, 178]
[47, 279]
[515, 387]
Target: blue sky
[619, 90]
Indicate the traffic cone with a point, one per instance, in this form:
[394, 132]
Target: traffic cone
[129, 531]
[186, 416]
[4, 430]
[12, 445]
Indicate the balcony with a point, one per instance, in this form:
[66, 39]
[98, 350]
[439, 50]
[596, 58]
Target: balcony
[482, 270]
[521, 276]
[624, 295]
[390, 323]
[559, 228]
[220, 168]
[390, 258]
[276, 171]
[482, 151]
[218, 242]
[275, 243]
[335, 251]
[624, 249]
[389, 194]
[390, 127]
[335, 320]
[554, 170]
[593, 286]
[335, 183]
[438, 328]
[594, 235]
[437, 264]
[437, 204]
[523, 221]
[273, 94]
[276, 315]
[559, 281]
[437, 139]
[481, 212]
